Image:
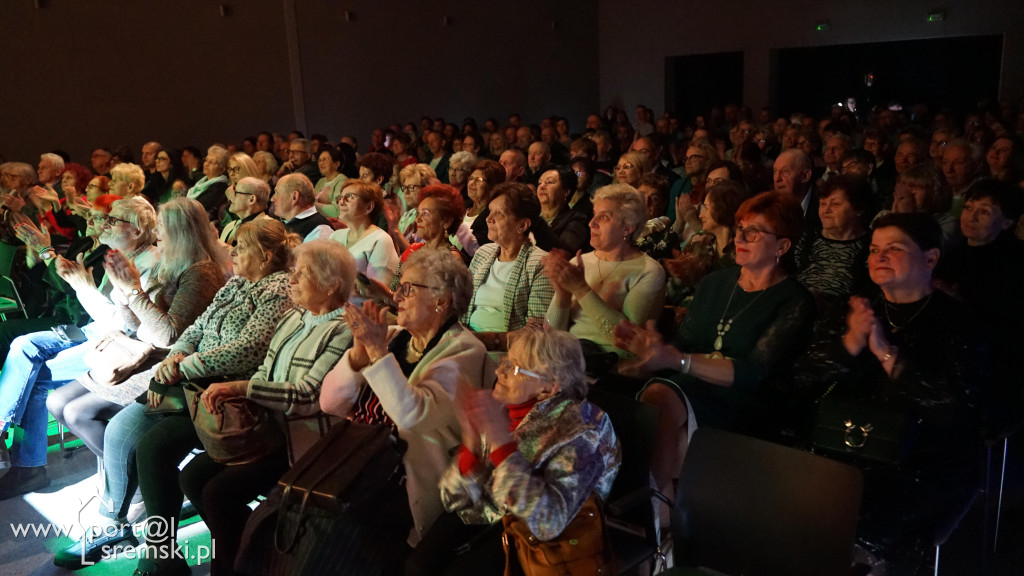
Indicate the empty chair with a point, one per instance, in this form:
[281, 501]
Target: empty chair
[746, 506]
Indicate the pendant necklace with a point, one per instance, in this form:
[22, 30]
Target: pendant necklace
[723, 324]
[895, 328]
[600, 273]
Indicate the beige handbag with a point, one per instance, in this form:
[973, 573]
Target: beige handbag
[115, 357]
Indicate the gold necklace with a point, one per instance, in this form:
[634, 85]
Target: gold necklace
[896, 328]
[600, 274]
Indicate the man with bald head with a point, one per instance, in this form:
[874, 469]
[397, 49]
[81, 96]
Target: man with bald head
[792, 174]
[293, 202]
[537, 160]
[248, 203]
[514, 163]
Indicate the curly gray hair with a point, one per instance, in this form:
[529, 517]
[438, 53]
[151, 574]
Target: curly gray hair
[632, 210]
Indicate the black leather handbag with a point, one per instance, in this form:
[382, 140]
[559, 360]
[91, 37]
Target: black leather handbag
[863, 432]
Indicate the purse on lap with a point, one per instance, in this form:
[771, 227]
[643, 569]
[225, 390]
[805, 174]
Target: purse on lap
[863, 432]
[241, 433]
[578, 550]
[115, 357]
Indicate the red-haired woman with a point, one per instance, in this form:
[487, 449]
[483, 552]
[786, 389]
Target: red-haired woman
[744, 328]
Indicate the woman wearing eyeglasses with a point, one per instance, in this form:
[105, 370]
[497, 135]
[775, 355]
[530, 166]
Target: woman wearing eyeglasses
[66, 308]
[631, 166]
[359, 206]
[402, 226]
[533, 447]
[727, 364]
[405, 377]
[169, 178]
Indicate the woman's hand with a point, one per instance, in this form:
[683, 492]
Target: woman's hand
[122, 272]
[13, 202]
[369, 329]
[650, 351]
[392, 212]
[566, 277]
[75, 273]
[35, 238]
[78, 205]
[153, 399]
[860, 324]
[686, 211]
[168, 372]
[488, 417]
[217, 393]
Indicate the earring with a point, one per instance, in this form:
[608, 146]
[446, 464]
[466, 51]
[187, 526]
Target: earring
[262, 265]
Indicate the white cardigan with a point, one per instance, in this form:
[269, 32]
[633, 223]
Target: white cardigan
[422, 407]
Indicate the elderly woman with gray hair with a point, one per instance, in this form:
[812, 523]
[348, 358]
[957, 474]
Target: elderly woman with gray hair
[210, 189]
[533, 447]
[597, 290]
[308, 342]
[404, 377]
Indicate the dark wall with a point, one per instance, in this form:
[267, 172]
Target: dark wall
[77, 74]
[637, 37]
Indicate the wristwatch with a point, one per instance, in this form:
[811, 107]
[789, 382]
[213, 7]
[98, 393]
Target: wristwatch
[46, 253]
[135, 292]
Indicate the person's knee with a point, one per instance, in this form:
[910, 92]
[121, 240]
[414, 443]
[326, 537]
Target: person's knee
[667, 400]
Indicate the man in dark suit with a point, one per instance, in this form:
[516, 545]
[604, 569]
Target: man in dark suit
[793, 172]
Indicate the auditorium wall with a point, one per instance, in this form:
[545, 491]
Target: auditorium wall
[82, 73]
[637, 36]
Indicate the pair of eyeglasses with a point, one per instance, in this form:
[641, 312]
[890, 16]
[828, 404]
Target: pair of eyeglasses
[405, 288]
[695, 157]
[234, 169]
[478, 179]
[507, 367]
[244, 193]
[411, 188]
[626, 166]
[97, 218]
[751, 234]
[349, 197]
[113, 221]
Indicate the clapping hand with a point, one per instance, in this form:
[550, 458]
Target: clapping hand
[486, 417]
[122, 272]
[75, 273]
[645, 344]
[566, 277]
[369, 332]
[34, 237]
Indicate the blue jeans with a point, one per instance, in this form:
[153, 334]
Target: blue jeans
[37, 363]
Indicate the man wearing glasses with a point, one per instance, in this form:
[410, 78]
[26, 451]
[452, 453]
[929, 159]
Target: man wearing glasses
[248, 203]
[300, 160]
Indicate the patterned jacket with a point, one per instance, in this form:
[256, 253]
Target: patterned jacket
[529, 291]
[231, 337]
[566, 450]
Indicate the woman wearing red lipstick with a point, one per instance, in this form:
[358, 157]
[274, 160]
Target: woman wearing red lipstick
[727, 365]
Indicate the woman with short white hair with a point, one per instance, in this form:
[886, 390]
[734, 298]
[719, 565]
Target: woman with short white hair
[533, 447]
[210, 189]
[597, 290]
[266, 165]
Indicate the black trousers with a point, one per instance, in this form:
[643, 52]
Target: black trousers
[453, 548]
[222, 493]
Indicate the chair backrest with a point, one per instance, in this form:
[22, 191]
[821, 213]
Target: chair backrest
[635, 424]
[7, 287]
[746, 506]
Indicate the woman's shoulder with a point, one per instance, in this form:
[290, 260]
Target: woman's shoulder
[273, 286]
